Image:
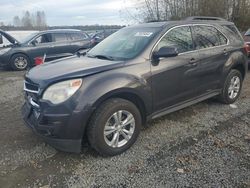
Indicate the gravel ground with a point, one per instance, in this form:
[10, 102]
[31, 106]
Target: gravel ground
[205, 145]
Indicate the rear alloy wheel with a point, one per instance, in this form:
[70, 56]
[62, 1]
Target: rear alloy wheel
[19, 62]
[232, 87]
[114, 127]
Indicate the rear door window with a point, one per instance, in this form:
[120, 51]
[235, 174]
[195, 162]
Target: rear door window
[59, 37]
[78, 36]
[180, 38]
[207, 37]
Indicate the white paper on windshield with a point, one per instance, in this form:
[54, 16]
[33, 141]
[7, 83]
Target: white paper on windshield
[143, 34]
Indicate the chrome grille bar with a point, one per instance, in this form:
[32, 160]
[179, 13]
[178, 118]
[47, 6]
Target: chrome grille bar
[29, 90]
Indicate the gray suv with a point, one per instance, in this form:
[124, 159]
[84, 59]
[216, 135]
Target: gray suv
[135, 75]
[55, 44]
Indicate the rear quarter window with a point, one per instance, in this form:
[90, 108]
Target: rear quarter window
[233, 33]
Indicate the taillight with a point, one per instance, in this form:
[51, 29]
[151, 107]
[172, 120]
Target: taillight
[39, 60]
[247, 48]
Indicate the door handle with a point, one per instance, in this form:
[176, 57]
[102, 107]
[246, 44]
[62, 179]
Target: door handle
[225, 52]
[192, 62]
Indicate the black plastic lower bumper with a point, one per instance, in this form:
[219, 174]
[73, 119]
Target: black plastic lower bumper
[46, 132]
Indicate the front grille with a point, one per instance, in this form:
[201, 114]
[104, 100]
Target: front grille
[32, 88]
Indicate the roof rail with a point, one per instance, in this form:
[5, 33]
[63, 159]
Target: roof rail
[194, 18]
[152, 21]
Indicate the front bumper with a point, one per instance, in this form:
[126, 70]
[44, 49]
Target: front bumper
[60, 126]
[4, 60]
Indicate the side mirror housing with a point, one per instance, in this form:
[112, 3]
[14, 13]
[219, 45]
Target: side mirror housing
[165, 52]
[82, 52]
[1, 39]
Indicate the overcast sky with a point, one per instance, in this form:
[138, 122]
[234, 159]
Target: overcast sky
[67, 12]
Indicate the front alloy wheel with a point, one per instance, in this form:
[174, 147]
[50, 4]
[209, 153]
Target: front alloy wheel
[114, 127]
[119, 129]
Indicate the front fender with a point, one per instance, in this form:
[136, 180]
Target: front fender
[100, 88]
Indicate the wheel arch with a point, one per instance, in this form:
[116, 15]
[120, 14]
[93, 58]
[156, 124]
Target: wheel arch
[241, 69]
[129, 95]
[22, 53]
[237, 60]
[123, 94]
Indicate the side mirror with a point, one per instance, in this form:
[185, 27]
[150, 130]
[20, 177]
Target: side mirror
[1, 39]
[82, 52]
[165, 52]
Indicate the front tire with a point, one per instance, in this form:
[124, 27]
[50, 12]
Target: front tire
[114, 127]
[232, 87]
[19, 62]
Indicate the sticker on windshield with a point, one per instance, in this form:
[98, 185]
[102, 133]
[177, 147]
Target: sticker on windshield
[143, 34]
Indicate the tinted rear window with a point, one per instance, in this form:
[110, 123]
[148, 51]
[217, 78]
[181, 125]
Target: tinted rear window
[207, 37]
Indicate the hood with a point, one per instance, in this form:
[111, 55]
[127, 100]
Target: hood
[67, 68]
[11, 39]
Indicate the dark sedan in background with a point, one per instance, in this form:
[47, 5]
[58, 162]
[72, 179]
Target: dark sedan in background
[54, 44]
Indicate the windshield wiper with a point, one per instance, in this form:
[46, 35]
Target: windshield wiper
[102, 57]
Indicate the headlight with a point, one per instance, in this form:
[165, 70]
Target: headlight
[4, 50]
[62, 91]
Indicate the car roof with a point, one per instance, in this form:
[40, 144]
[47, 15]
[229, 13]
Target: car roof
[61, 31]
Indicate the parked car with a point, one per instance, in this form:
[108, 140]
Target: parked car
[54, 43]
[138, 74]
[247, 41]
[100, 36]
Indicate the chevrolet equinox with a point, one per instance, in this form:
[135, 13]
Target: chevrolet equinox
[135, 75]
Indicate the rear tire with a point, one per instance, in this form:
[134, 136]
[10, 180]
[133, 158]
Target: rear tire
[232, 87]
[19, 62]
[114, 127]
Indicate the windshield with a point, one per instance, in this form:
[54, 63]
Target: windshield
[124, 44]
[28, 38]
